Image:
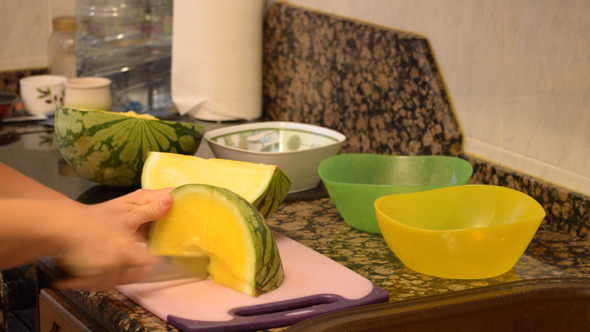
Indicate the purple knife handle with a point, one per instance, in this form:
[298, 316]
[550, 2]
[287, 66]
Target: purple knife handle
[280, 313]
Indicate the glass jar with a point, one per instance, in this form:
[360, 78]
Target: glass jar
[129, 42]
[61, 49]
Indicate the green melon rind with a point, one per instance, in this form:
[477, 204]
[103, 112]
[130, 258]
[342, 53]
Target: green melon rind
[270, 200]
[110, 148]
[269, 273]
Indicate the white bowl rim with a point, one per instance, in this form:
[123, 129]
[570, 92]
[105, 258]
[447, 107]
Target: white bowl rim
[90, 82]
[40, 80]
[339, 137]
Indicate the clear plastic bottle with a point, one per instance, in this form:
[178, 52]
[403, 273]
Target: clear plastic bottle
[129, 42]
[61, 49]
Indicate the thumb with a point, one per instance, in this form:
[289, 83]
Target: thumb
[151, 211]
[158, 208]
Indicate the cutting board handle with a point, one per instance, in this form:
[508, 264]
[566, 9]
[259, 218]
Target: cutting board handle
[279, 313]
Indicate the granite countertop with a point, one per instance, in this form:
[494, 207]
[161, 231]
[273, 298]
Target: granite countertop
[318, 225]
[559, 249]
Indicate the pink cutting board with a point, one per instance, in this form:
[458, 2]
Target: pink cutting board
[314, 284]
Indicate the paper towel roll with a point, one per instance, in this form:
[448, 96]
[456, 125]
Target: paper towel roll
[217, 58]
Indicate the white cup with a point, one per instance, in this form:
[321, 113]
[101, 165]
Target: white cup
[42, 93]
[88, 93]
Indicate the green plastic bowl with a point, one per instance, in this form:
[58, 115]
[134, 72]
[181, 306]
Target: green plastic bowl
[355, 180]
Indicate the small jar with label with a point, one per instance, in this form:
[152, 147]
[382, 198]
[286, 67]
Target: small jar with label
[61, 49]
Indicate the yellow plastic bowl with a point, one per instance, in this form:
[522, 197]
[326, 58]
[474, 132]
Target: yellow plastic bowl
[459, 232]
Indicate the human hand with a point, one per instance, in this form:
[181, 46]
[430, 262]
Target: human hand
[136, 209]
[100, 259]
[102, 251]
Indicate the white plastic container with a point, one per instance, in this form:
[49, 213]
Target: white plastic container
[61, 48]
[129, 42]
[88, 93]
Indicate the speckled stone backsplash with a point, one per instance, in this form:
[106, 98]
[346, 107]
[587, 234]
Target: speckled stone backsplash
[567, 211]
[382, 88]
[9, 80]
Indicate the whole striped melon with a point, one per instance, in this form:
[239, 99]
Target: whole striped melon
[110, 148]
[242, 249]
[265, 186]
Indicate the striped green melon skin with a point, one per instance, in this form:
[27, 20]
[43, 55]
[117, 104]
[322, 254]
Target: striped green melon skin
[273, 196]
[110, 148]
[268, 270]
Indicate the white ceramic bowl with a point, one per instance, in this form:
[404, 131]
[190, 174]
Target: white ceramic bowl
[42, 93]
[297, 148]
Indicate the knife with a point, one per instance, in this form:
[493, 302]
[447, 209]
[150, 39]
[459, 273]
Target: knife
[173, 267]
[168, 267]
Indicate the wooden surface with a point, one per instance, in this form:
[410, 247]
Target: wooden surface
[57, 315]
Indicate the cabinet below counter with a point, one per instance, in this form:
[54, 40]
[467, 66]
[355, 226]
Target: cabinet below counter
[57, 314]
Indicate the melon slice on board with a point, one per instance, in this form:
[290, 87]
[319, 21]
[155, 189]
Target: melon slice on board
[265, 186]
[242, 249]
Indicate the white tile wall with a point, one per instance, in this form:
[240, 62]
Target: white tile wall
[546, 98]
[518, 71]
[25, 27]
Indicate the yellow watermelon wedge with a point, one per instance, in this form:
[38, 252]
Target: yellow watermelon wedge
[242, 250]
[265, 186]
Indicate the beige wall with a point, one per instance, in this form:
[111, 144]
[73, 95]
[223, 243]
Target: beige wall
[26, 26]
[518, 71]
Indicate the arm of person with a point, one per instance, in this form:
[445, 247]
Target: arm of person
[32, 228]
[97, 243]
[14, 184]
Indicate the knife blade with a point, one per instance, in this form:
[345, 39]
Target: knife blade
[171, 267]
[168, 267]
[192, 264]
